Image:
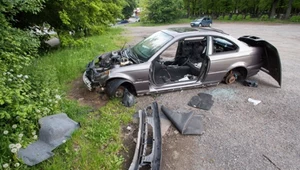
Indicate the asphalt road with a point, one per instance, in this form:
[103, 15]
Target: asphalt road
[239, 135]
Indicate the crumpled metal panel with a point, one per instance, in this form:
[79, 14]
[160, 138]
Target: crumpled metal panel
[55, 130]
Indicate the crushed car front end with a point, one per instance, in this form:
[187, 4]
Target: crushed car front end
[95, 75]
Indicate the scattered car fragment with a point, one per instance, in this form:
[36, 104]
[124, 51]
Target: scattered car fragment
[149, 122]
[202, 101]
[181, 58]
[250, 83]
[55, 130]
[255, 102]
[186, 123]
[128, 99]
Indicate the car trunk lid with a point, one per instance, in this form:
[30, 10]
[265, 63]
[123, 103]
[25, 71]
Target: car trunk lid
[271, 60]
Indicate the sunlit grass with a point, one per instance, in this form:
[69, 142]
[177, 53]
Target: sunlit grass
[97, 144]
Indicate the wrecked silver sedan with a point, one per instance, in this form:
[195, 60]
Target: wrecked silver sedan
[180, 58]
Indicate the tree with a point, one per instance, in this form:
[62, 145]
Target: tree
[163, 11]
[81, 17]
[128, 9]
[273, 9]
[288, 11]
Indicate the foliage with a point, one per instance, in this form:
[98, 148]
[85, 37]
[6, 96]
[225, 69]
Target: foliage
[264, 18]
[234, 17]
[220, 17]
[248, 17]
[240, 17]
[295, 18]
[73, 19]
[23, 99]
[226, 17]
[197, 8]
[128, 9]
[162, 11]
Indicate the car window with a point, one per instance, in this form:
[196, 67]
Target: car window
[221, 45]
[149, 46]
[193, 49]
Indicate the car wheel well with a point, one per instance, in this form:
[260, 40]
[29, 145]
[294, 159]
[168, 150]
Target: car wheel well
[129, 87]
[238, 73]
[113, 85]
[243, 72]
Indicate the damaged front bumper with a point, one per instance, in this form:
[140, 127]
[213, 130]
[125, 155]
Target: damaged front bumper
[149, 122]
[94, 76]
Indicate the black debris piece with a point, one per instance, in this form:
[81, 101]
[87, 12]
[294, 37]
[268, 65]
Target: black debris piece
[187, 123]
[128, 99]
[202, 100]
[250, 83]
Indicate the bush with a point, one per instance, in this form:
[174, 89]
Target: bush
[220, 17]
[295, 18]
[248, 17]
[163, 11]
[240, 17]
[226, 17]
[234, 17]
[264, 17]
[23, 99]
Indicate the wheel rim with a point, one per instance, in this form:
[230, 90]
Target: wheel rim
[209, 25]
[200, 25]
[119, 92]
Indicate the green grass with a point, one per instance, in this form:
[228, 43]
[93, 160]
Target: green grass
[98, 143]
[67, 64]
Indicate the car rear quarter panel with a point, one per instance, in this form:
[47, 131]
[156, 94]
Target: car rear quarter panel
[222, 63]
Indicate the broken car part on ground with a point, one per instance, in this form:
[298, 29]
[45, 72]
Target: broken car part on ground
[187, 123]
[181, 58]
[149, 135]
[202, 101]
[55, 130]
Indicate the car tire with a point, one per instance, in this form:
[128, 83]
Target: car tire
[119, 92]
[200, 25]
[209, 25]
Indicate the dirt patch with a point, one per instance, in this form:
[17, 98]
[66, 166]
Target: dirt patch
[85, 97]
[129, 136]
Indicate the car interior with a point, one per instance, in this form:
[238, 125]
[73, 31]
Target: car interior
[182, 61]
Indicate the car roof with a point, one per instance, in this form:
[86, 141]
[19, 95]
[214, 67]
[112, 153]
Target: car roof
[180, 31]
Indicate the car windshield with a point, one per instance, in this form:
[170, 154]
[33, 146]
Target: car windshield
[149, 46]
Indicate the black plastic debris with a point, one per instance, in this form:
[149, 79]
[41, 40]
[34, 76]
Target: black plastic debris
[55, 130]
[128, 99]
[186, 123]
[202, 100]
[250, 83]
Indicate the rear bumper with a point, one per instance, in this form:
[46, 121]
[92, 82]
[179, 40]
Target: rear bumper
[148, 117]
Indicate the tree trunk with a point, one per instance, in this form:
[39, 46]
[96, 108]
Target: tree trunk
[273, 9]
[288, 11]
[189, 9]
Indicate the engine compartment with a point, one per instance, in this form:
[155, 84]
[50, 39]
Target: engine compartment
[112, 60]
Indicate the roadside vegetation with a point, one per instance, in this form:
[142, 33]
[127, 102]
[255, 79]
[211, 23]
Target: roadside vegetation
[34, 83]
[155, 12]
[34, 80]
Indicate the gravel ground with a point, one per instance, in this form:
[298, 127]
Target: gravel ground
[239, 135]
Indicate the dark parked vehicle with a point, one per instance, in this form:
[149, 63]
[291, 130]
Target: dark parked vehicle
[202, 22]
[180, 58]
